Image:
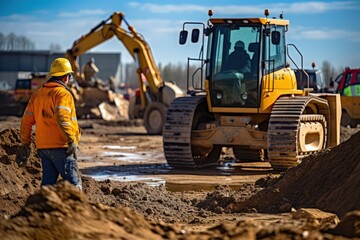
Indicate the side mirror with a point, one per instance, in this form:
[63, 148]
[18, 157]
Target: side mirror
[275, 37]
[207, 31]
[267, 31]
[183, 37]
[195, 35]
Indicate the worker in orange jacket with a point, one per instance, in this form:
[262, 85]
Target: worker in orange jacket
[57, 136]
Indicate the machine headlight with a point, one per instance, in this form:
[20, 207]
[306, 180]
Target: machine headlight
[244, 96]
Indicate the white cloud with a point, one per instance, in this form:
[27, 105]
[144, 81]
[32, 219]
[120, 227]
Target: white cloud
[62, 31]
[146, 27]
[16, 18]
[314, 7]
[296, 7]
[41, 12]
[168, 8]
[162, 33]
[324, 34]
[82, 13]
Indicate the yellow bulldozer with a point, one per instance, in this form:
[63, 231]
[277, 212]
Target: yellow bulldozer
[249, 102]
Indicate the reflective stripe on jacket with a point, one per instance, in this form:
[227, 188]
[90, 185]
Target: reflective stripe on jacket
[52, 109]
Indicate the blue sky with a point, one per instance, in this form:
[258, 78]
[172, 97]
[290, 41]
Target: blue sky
[322, 30]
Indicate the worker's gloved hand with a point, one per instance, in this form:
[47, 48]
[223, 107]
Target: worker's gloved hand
[71, 148]
[22, 155]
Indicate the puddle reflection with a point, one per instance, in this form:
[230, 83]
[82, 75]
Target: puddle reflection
[116, 147]
[151, 181]
[131, 157]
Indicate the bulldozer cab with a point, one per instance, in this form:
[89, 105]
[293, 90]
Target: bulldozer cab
[244, 58]
[233, 71]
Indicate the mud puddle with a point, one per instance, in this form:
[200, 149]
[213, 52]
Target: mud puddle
[126, 164]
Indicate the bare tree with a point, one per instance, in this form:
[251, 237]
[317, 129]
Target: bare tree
[170, 72]
[23, 43]
[2, 41]
[174, 73]
[338, 71]
[54, 47]
[12, 42]
[132, 79]
[328, 71]
[20, 42]
[10, 39]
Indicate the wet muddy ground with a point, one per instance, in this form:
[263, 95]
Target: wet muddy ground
[122, 151]
[124, 167]
[127, 153]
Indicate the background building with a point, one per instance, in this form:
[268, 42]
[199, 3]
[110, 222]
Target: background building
[20, 64]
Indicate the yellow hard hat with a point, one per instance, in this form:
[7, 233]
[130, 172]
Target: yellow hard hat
[60, 67]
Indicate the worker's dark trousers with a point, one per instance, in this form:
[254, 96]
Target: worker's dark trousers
[55, 162]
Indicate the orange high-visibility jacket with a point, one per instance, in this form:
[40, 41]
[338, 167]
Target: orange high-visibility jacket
[52, 109]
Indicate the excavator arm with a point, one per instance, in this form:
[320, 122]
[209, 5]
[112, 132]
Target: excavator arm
[155, 95]
[133, 42]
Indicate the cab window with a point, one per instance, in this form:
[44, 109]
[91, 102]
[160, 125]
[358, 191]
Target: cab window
[275, 57]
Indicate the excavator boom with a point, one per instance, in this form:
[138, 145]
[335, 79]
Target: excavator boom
[133, 42]
[155, 95]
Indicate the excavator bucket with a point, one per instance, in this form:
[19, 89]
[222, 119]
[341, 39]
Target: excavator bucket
[96, 102]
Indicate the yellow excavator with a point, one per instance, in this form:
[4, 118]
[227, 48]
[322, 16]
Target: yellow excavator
[249, 103]
[155, 94]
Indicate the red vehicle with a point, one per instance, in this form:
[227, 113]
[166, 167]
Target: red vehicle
[348, 85]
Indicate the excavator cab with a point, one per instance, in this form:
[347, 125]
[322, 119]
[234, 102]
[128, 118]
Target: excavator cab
[248, 100]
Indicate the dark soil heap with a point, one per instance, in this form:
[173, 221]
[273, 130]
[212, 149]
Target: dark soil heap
[16, 183]
[155, 203]
[62, 212]
[329, 181]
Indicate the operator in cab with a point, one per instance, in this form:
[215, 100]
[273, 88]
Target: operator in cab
[239, 59]
[90, 69]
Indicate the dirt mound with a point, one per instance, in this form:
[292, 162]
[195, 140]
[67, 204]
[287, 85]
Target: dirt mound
[62, 212]
[349, 226]
[100, 212]
[155, 203]
[346, 133]
[223, 196]
[16, 183]
[328, 181]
